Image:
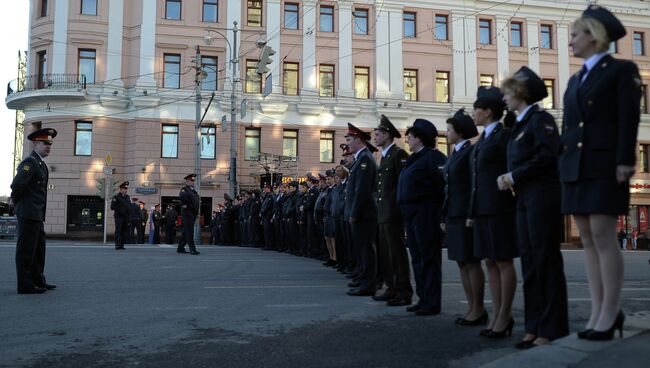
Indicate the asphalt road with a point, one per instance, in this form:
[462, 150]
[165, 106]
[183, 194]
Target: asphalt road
[239, 307]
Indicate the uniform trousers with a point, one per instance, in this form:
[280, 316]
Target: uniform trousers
[133, 231]
[30, 254]
[340, 242]
[423, 238]
[268, 231]
[312, 240]
[363, 237]
[156, 233]
[188, 232]
[539, 231]
[170, 234]
[394, 260]
[121, 232]
[278, 230]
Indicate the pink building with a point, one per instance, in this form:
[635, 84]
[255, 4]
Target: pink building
[118, 77]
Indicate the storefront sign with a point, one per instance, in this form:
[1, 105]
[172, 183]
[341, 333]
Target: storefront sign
[146, 190]
[639, 186]
[643, 219]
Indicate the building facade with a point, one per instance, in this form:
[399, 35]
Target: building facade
[117, 78]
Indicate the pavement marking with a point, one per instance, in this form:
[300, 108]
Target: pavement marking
[239, 260]
[313, 305]
[273, 287]
[639, 299]
[635, 289]
[180, 308]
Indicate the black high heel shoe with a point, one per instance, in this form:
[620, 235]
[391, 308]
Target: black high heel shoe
[583, 334]
[609, 334]
[476, 322]
[500, 334]
[485, 332]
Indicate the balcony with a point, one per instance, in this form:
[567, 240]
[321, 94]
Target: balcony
[36, 88]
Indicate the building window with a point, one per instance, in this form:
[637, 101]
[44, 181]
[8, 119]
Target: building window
[290, 79]
[83, 138]
[409, 24]
[546, 31]
[644, 164]
[442, 145]
[43, 12]
[209, 65]
[515, 34]
[361, 21]
[644, 98]
[291, 16]
[169, 141]
[208, 143]
[87, 61]
[410, 84]
[326, 80]
[441, 27]
[486, 80]
[41, 58]
[326, 23]
[211, 11]
[326, 146]
[253, 80]
[485, 31]
[613, 47]
[254, 15]
[638, 47]
[549, 101]
[251, 143]
[442, 86]
[361, 82]
[173, 9]
[290, 143]
[89, 7]
[172, 71]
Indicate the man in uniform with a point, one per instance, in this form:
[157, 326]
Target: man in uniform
[361, 209]
[392, 257]
[277, 219]
[157, 218]
[289, 217]
[144, 217]
[121, 206]
[266, 212]
[308, 207]
[170, 224]
[227, 220]
[189, 209]
[29, 199]
[134, 222]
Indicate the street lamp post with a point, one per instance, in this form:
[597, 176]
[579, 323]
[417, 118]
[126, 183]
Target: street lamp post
[200, 75]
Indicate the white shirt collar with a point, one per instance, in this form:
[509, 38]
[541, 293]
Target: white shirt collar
[521, 115]
[356, 155]
[460, 145]
[490, 127]
[591, 63]
[384, 152]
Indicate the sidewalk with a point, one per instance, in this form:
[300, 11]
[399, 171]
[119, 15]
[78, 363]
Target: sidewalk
[631, 351]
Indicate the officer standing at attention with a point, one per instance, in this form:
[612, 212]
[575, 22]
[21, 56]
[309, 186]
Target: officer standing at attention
[170, 224]
[393, 256]
[189, 210]
[134, 221]
[266, 213]
[598, 158]
[157, 218]
[361, 208]
[121, 206]
[29, 198]
[144, 217]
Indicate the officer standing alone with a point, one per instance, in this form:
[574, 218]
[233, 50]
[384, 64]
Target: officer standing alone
[121, 206]
[189, 210]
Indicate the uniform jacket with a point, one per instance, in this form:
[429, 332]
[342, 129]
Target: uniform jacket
[144, 215]
[601, 119]
[340, 206]
[488, 161]
[278, 206]
[361, 189]
[134, 214]
[310, 201]
[533, 148]
[459, 182]
[297, 202]
[121, 206]
[331, 201]
[266, 210]
[170, 218]
[319, 207]
[421, 180]
[157, 218]
[190, 198]
[254, 211]
[29, 188]
[289, 207]
[389, 169]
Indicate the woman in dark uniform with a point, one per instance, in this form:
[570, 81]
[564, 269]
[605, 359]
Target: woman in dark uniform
[601, 119]
[460, 238]
[491, 211]
[331, 200]
[533, 175]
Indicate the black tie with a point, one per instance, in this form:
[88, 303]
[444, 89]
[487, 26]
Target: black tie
[582, 73]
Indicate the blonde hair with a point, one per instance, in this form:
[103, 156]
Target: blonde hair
[517, 87]
[596, 29]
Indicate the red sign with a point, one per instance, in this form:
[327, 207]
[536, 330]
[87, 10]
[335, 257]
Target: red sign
[643, 219]
[621, 223]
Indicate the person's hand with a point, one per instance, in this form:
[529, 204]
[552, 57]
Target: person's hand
[505, 181]
[184, 206]
[624, 173]
[443, 226]
[469, 223]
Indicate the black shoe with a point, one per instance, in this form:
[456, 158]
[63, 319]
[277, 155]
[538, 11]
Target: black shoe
[181, 251]
[34, 290]
[476, 322]
[47, 286]
[195, 253]
[583, 334]
[398, 302]
[352, 276]
[361, 292]
[383, 297]
[526, 344]
[427, 312]
[485, 332]
[354, 284]
[413, 308]
[501, 334]
[609, 334]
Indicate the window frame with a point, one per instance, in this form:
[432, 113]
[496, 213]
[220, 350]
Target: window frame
[251, 65]
[249, 7]
[481, 76]
[321, 15]
[644, 165]
[214, 3]
[162, 139]
[77, 129]
[94, 59]
[519, 31]
[326, 139]
[404, 76]
[216, 72]
[415, 23]
[43, 11]
[447, 78]
[552, 94]
[644, 99]
[437, 23]
[320, 76]
[366, 17]
[296, 139]
[641, 42]
[180, 9]
[259, 141]
[367, 75]
[165, 62]
[488, 28]
[549, 33]
[296, 12]
[211, 132]
[81, 8]
[284, 77]
[41, 68]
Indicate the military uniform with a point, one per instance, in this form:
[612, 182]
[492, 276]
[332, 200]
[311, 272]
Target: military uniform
[157, 219]
[190, 203]
[278, 221]
[134, 222]
[121, 206]
[266, 213]
[170, 225]
[29, 196]
[289, 220]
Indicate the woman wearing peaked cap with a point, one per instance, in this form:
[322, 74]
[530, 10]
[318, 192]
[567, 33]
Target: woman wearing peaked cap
[460, 239]
[598, 157]
[491, 211]
[533, 175]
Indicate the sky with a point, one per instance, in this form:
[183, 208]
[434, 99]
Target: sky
[14, 23]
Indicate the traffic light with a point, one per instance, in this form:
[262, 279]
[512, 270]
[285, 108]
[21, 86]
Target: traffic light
[101, 188]
[265, 59]
[114, 185]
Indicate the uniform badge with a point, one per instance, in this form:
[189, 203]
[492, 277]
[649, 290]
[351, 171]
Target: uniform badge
[549, 129]
[363, 165]
[519, 136]
[25, 168]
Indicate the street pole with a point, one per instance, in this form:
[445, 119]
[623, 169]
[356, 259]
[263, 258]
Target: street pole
[107, 198]
[233, 115]
[197, 144]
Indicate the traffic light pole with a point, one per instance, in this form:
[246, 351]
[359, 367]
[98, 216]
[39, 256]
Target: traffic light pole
[108, 189]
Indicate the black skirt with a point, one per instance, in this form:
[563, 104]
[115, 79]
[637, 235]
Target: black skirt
[596, 196]
[460, 241]
[330, 226]
[495, 237]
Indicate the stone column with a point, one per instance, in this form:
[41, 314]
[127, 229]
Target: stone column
[114, 47]
[147, 44]
[532, 25]
[503, 49]
[309, 73]
[562, 63]
[345, 74]
[273, 34]
[60, 38]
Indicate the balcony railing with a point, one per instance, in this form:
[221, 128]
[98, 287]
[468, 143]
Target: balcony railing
[47, 81]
